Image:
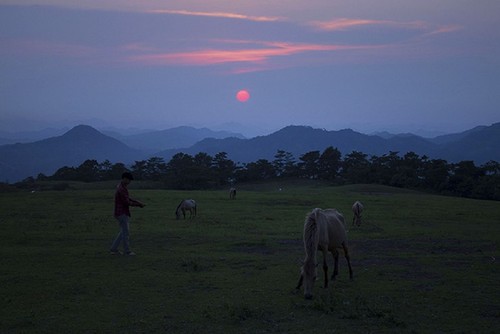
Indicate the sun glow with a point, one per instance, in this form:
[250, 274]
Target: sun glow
[243, 95]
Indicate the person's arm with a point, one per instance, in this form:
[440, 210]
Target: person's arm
[123, 193]
[133, 202]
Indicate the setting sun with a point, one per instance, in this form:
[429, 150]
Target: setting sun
[243, 95]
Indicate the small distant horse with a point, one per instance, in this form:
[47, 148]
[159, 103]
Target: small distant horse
[232, 193]
[357, 208]
[186, 205]
[324, 231]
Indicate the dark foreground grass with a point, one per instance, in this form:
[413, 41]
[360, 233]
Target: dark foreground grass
[422, 263]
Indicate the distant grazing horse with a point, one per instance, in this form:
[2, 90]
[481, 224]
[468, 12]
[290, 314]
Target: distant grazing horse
[232, 193]
[186, 205]
[324, 231]
[357, 208]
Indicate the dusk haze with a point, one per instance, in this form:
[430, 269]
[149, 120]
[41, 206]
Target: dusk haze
[243, 167]
[424, 67]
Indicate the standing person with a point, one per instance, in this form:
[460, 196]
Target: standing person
[122, 213]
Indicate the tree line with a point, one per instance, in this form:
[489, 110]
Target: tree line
[203, 171]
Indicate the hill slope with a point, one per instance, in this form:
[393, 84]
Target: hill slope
[479, 145]
[83, 142]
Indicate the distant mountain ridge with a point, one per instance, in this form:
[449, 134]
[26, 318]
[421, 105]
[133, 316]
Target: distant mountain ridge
[182, 136]
[478, 144]
[18, 161]
[302, 139]
[450, 138]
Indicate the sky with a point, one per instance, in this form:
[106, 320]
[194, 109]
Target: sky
[428, 66]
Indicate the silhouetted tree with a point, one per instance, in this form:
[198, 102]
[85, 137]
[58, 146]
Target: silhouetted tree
[410, 171]
[385, 168]
[179, 171]
[88, 171]
[117, 170]
[309, 166]
[223, 168]
[464, 178]
[105, 170]
[356, 168]
[138, 169]
[260, 170]
[65, 174]
[436, 175]
[329, 164]
[284, 164]
[42, 177]
[155, 168]
[184, 171]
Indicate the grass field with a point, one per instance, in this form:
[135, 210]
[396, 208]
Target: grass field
[422, 263]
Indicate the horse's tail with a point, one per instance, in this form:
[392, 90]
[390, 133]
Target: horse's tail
[311, 239]
[311, 230]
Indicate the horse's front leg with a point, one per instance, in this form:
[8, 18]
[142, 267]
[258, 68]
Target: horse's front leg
[335, 254]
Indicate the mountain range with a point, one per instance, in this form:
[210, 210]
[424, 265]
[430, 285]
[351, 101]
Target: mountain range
[21, 160]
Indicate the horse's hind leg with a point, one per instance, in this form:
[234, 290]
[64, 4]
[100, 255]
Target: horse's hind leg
[325, 269]
[335, 254]
[348, 258]
[299, 283]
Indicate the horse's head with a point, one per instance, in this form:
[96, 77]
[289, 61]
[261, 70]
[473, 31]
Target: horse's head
[309, 274]
[177, 214]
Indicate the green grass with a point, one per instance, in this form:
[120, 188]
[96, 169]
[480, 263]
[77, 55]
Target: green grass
[422, 263]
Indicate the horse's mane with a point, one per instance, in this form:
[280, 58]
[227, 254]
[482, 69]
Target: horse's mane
[178, 206]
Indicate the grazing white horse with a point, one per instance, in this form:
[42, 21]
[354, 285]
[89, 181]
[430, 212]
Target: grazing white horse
[357, 208]
[232, 193]
[324, 231]
[186, 205]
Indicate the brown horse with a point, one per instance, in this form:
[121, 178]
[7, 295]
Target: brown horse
[324, 231]
[186, 205]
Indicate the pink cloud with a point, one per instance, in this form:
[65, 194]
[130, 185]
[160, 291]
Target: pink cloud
[445, 29]
[267, 52]
[345, 24]
[217, 14]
